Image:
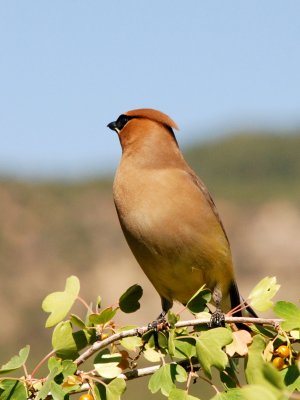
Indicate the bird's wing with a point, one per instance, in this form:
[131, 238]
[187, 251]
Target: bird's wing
[234, 294]
[197, 181]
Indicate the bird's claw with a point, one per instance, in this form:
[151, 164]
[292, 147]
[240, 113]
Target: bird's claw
[217, 319]
[159, 324]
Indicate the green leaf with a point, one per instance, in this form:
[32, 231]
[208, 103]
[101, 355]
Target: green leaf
[209, 349]
[172, 318]
[129, 301]
[179, 394]
[105, 316]
[106, 364]
[260, 297]
[164, 378]
[115, 389]
[82, 338]
[184, 348]
[55, 363]
[148, 337]
[75, 320]
[69, 368]
[291, 377]
[162, 340]
[249, 392]
[105, 356]
[88, 313]
[227, 378]
[109, 370]
[112, 391]
[16, 361]
[99, 391]
[46, 388]
[273, 376]
[232, 394]
[132, 342]
[98, 302]
[260, 373]
[268, 332]
[255, 362]
[290, 313]
[13, 390]
[60, 303]
[198, 302]
[152, 339]
[257, 392]
[181, 374]
[171, 342]
[56, 391]
[63, 341]
[202, 316]
[152, 355]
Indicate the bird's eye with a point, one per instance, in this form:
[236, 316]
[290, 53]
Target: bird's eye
[122, 121]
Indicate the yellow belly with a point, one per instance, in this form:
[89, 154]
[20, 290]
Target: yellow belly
[178, 265]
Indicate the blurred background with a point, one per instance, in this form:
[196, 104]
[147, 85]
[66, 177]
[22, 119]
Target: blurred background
[226, 72]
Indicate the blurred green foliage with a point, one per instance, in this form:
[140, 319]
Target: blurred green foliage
[249, 167]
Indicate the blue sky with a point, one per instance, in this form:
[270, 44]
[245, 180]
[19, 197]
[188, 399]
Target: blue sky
[68, 67]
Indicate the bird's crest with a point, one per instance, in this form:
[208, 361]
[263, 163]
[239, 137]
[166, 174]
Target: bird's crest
[154, 115]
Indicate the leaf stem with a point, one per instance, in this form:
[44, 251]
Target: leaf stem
[85, 304]
[37, 367]
[211, 384]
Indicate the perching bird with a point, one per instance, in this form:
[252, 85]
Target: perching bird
[167, 215]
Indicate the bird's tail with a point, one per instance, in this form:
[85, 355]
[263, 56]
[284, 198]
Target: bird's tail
[236, 300]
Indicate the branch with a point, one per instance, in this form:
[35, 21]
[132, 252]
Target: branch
[111, 339]
[127, 376]
[133, 374]
[141, 330]
[244, 320]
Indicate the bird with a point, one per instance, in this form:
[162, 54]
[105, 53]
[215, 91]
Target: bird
[168, 216]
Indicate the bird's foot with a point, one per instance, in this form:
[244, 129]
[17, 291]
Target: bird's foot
[217, 319]
[160, 323]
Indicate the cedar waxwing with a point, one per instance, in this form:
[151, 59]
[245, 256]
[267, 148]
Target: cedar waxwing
[167, 215]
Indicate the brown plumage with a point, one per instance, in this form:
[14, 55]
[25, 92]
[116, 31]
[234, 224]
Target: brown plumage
[167, 215]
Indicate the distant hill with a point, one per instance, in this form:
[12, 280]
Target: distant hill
[249, 167]
[243, 167]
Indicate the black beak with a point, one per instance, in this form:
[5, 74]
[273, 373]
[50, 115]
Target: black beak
[112, 126]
